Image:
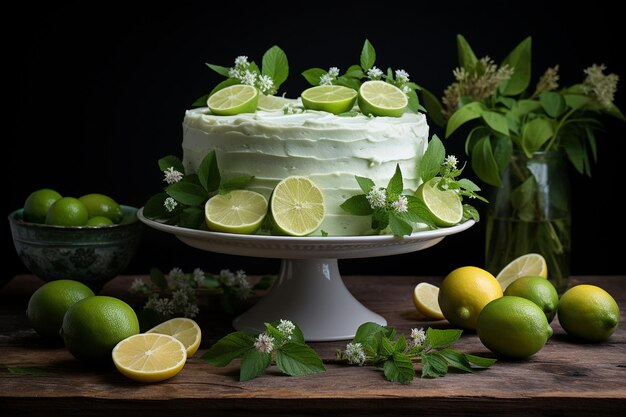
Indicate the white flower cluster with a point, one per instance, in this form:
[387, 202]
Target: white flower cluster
[355, 354]
[286, 328]
[172, 176]
[238, 282]
[401, 205]
[377, 197]
[451, 161]
[418, 336]
[242, 72]
[330, 76]
[170, 204]
[264, 343]
[602, 86]
[374, 73]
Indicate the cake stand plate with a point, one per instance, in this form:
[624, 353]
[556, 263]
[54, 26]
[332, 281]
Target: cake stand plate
[309, 290]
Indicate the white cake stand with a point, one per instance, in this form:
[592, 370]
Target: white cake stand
[309, 289]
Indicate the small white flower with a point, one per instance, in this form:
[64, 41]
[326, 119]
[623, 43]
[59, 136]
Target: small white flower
[355, 353]
[170, 204]
[162, 306]
[377, 197]
[402, 76]
[138, 286]
[248, 78]
[198, 276]
[242, 61]
[176, 274]
[242, 286]
[286, 328]
[406, 89]
[266, 84]
[451, 161]
[333, 72]
[418, 336]
[234, 73]
[227, 278]
[172, 176]
[374, 73]
[326, 79]
[401, 205]
[264, 343]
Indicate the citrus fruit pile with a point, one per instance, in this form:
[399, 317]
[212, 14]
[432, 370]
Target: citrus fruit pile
[91, 210]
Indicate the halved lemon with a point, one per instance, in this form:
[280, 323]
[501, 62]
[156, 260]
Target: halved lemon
[239, 211]
[425, 298]
[531, 264]
[184, 330]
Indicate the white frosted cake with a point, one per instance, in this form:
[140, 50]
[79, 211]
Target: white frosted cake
[328, 149]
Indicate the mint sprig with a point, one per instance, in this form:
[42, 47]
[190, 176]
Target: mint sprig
[281, 343]
[379, 346]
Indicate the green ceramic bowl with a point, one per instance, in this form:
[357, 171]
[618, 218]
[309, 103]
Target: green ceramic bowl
[91, 255]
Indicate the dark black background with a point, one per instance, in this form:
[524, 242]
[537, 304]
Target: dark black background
[97, 94]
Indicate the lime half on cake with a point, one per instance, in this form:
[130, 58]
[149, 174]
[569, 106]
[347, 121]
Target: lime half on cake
[380, 98]
[236, 99]
[297, 206]
[330, 98]
[444, 205]
[239, 211]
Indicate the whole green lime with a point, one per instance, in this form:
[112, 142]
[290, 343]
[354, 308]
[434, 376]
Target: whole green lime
[589, 313]
[67, 211]
[37, 204]
[538, 290]
[513, 327]
[100, 205]
[50, 302]
[99, 221]
[93, 326]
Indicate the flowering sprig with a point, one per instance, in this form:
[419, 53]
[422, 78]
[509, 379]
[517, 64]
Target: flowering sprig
[282, 343]
[378, 345]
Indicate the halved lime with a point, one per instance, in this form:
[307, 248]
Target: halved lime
[331, 98]
[239, 211]
[273, 103]
[444, 205]
[380, 98]
[297, 206]
[236, 99]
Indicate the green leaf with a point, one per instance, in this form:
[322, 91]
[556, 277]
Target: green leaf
[437, 338]
[253, 363]
[433, 107]
[354, 71]
[154, 208]
[432, 159]
[357, 205]
[614, 111]
[470, 212]
[467, 58]
[219, 69]
[313, 75]
[553, 103]
[474, 136]
[367, 332]
[456, 360]
[386, 347]
[433, 365]
[463, 115]
[27, 370]
[226, 83]
[187, 193]
[468, 184]
[237, 183]
[209, 173]
[368, 56]
[576, 101]
[535, 133]
[228, 348]
[502, 151]
[575, 152]
[380, 219]
[413, 101]
[496, 121]
[191, 217]
[296, 336]
[352, 83]
[265, 282]
[297, 359]
[419, 213]
[401, 344]
[484, 164]
[519, 59]
[592, 144]
[395, 186]
[366, 184]
[398, 226]
[480, 361]
[398, 368]
[171, 161]
[201, 101]
[275, 65]
[158, 278]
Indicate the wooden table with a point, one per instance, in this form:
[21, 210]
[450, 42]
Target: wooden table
[564, 378]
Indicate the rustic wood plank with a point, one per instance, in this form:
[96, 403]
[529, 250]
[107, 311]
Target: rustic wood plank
[564, 377]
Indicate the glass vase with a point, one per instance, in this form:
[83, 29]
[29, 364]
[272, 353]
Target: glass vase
[530, 213]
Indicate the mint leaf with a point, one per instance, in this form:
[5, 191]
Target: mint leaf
[386, 348]
[398, 226]
[324, 233]
[456, 359]
[201, 101]
[354, 71]
[352, 83]
[413, 101]
[191, 217]
[158, 278]
[401, 344]
[187, 193]
[236, 183]
[219, 69]
[296, 336]
[366, 184]
[437, 338]
[432, 159]
[398, 368]
[209, 173]
[298, 359]
[380, 219]
[228, 348]
[480, 361]
[468, 184]
[357, 205]
[253, 363]
[368, 331]
[395, 186]
[171, 161]
[313, 75]
[154, 208]
[27, 370]
[433, 365]
[470, 212]
[368, 56]
[419, 213]
[275, 65]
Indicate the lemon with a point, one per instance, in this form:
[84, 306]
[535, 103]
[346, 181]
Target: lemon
[67, 211]
[379, 98]
[149, 357]
[513, 326]
[50, 302]
[297, 206]
[589, 313]
[538, 290]
[100, 205]
[239, 211]
[531, 264]
[236, 99]
[334, 99]
[99, 221]
[37, 204]
[93, 326]
[273, 103]
[425, 298]
[184, 330]
[444, 205]
[464, 293]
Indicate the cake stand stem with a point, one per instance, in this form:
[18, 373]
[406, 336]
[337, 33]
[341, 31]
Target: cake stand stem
[311, 293]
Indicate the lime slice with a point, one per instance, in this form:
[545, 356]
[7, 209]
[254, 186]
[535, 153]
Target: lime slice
[444, 205]
[531, 264]
[382, 99]
[239, 211]
[273, 103]
[236, 99]
[331, 98]
[185, 330]
[426, 300]
[297, 206]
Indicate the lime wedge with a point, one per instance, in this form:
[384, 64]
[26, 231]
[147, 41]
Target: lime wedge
[379, 98]
[331, 98]
[236, 99]
[239, 211]
[444, 205]
[297, 206]
[273, 103]
[531, 264]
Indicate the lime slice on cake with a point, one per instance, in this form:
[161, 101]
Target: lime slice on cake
[236, 99]
[444, 205]
[331, 98]
[382, 99]
[273, 103]
[239, 211]
[297, 206]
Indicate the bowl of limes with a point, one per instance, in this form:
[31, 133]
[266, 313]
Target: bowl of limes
[90, 239]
